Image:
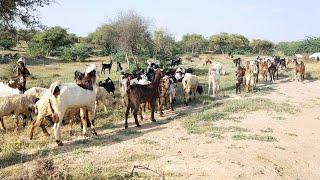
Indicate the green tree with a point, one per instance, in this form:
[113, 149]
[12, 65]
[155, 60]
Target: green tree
[25, 35]
[193, 43]
[132, 34]
[20, 12]
[226, 43]
[54, 37]
[104, 38]
[7, 38]
[261, 46]
[164, 44]
[220, 42]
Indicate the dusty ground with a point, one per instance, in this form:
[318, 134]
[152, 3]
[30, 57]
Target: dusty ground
[171, 151]
[263, 144]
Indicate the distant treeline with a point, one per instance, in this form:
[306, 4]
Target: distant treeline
[129, 37]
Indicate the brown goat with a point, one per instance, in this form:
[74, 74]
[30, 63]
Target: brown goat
[264, 70]
[300, 69]
[138, 94]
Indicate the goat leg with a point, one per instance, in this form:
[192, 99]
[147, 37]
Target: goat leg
[2, 124]
[184, 97]
[71, 127]
[135, 115]
[126, 116]
[17, 125]
[152, 111]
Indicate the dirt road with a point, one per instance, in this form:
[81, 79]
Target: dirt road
[169, 149]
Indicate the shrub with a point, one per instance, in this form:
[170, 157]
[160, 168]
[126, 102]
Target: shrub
[120, 56]
[37, 49]
[7, 44]
[74, 53]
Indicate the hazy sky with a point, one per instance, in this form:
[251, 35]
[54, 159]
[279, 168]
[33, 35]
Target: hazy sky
[276, 20]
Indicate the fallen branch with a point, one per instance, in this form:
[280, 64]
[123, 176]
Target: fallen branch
[145, 168]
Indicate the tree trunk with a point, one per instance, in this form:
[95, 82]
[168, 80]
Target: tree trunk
[222, 52]
[128, 62]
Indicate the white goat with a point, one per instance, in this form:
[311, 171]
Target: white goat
[71, 95]
[6, 90]
[16, 104]
[214, 77]
[144, 80]
[190, 85]
[104, 97]
[298, 56]
[316, 56]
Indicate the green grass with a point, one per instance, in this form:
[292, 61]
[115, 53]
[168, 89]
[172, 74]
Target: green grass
[268, 130]
[254, 137]
[204, 122]
[45, 71]
[279, 147]
[129, 132]
[150, 142]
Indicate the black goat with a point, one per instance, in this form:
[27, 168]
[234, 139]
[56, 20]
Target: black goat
[175, 62]
[106, 66]
[272, 68]
[108, 85]
[119, 67]
[237, 62]
[138, 94]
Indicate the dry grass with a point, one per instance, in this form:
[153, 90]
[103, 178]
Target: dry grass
[44, 72]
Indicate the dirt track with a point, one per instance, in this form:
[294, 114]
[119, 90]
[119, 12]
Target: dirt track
[169, 149]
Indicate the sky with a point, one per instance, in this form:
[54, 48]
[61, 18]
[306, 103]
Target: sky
[276, 20]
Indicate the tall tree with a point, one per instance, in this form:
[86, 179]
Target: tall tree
[53, 38]
[193, 43]
[23, 12]
[104, 38]
[132, 33]
[261, 46]
[164, 44]
[226, 43]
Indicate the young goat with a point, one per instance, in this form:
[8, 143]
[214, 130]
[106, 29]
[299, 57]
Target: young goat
[138, 94]
[119, 67]
[108, 85]
[106, 66]
[190, 85]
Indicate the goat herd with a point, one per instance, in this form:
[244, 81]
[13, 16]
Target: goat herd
[149, 88]
[249, 73]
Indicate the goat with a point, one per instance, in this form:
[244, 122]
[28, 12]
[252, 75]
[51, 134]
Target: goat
[7, 90]
[106, 66]
[299, 69]
[64, 96]
[255, 70]
[264, 69]
[249, 79]
[272, 70]
[190, 85]
[16, 105]
[237, 62]
[175, 62]
[167, 93]
[208, 61]
[119, 67]
[214, 77]
[138, 94]
[108, 85]
[239, 78]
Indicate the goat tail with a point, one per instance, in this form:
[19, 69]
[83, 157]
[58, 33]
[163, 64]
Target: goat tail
[200, 89]
[55, 89]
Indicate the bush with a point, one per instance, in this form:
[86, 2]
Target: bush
[7, 44]
[120, 56]
[78, 52]
[37, 49]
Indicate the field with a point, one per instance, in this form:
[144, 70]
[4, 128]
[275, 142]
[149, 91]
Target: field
[269, 134]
